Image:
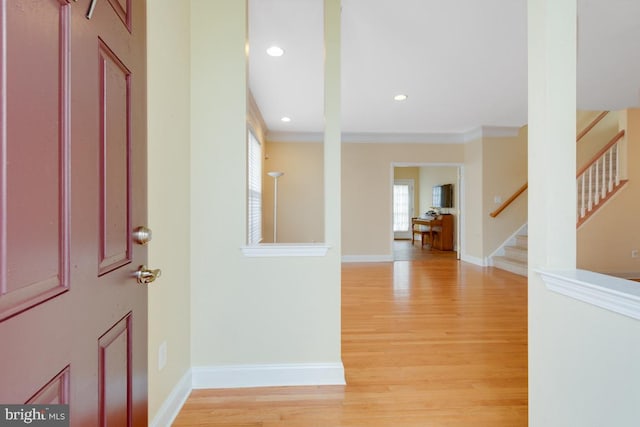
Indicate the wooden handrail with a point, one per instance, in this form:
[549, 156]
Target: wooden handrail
[585, 131]
[591, 125]
[510, 200]
[599, 154]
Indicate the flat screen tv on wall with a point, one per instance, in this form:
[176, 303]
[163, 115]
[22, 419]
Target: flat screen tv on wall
[442, 196]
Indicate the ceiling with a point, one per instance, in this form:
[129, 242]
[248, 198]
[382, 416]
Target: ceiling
[463, 65]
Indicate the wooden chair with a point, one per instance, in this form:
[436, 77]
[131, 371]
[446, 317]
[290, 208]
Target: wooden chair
[436, 233]
[423, 230]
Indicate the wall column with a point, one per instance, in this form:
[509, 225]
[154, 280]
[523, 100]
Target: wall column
[552, 200]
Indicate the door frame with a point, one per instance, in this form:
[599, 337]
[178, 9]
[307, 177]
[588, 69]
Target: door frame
[459, 224]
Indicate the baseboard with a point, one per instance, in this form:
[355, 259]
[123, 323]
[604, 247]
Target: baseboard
[173, 403]
[239, 376]
[367, 258]
[474, 260]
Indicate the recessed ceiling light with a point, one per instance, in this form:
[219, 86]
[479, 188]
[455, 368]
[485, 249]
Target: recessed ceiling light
[286, 119]
[275, 51]
[400, 97]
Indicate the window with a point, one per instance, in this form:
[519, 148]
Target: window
[401, 207]
[254, 182]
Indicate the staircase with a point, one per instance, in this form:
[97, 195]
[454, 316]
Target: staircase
[514, 257]
[597, 182]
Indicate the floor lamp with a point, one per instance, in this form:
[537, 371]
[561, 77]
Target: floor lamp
[275, 176]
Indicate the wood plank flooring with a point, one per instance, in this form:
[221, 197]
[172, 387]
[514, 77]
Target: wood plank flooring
[432, 343]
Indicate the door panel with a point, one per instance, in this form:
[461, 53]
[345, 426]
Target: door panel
[35, 212]
[56, 392]
[115, 213]
[122, 8]
[73, 320]
[115, 375]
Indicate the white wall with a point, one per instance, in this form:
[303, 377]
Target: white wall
[248, 311]
[169, 181]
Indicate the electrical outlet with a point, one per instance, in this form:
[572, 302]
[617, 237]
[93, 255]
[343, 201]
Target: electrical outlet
[634, 253]
[162, 355]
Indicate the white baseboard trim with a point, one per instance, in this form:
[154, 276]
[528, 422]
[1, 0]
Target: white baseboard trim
[474, 260]
[239, 376]
[173, 403]
[367, 258]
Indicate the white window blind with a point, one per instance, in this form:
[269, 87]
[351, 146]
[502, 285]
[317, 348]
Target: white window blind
[254, 179]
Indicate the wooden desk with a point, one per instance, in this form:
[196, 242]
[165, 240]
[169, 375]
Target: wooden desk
[443, 224]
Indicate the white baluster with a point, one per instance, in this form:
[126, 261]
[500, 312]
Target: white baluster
[582, 205]
[617, 145]
[590, 204]
[596, 181]
[604, 175]
[611, 168]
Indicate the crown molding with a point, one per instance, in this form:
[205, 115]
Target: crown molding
[402, 138]
[295, 136]
[500, 131]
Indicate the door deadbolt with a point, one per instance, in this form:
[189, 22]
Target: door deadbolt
[144, 276]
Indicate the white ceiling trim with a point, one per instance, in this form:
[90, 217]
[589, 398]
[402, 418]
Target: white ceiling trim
[407, 138]
[295, 136]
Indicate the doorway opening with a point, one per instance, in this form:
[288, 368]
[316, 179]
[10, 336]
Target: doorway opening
[414, 186]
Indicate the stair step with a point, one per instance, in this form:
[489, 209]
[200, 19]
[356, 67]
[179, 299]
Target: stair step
[517, 253]
[511, 265]
[522, 241]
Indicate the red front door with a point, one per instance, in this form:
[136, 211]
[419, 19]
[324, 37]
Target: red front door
[73, 320]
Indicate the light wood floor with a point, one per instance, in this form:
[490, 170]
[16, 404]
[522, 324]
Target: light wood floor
[429, 343]
[403, 250]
